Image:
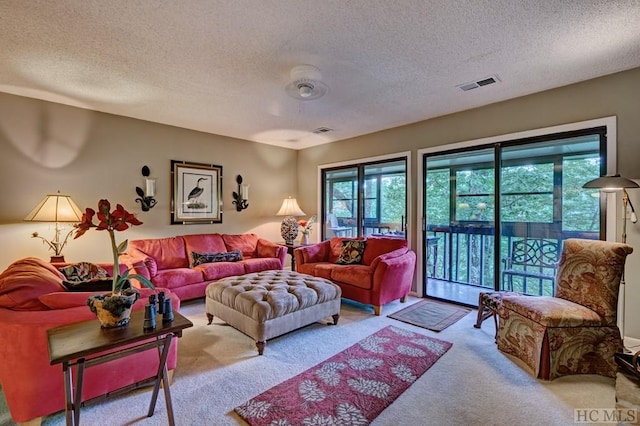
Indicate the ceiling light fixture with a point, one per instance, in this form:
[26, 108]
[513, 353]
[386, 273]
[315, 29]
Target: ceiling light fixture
[305, 83]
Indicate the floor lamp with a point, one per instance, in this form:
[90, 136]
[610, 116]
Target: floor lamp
[611, 184]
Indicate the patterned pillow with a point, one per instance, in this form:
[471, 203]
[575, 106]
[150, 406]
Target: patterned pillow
[231, 256]
[83, 271]
[351, 253]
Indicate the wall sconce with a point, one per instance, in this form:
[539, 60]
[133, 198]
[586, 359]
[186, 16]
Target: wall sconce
[146, 200]
[241, 197]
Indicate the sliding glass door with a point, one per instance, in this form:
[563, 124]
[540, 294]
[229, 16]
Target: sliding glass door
[368, 199]
[460, 214]
[496, 215]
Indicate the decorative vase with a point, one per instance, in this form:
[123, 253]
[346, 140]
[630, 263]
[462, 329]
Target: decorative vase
[113, 310]
[304, 239]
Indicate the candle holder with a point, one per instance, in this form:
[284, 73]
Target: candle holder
[241, 197]
[146, 199]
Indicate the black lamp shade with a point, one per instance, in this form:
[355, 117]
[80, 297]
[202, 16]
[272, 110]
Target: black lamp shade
[611, 183]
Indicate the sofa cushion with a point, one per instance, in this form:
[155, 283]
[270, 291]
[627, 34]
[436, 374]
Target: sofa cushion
[215, 271]
[246, 243]
[320, 269]
[378, 246]
[27, 279]
[202, 258]
[356, 275]
[64, 300]
[168, 253]
[204, 243]
[352, 252]
[259, 264]
[177, 277]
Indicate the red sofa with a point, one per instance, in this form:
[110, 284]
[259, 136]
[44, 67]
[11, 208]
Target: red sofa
[385, 273]
[168, 262]
[32, 300]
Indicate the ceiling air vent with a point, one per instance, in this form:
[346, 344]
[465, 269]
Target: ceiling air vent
[321, 130]
[479, 83]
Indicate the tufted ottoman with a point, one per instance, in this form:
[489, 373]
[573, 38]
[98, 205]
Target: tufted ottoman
[267, 304]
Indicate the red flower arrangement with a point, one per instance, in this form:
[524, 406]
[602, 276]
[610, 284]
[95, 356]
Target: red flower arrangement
[305, 225]
[117, 220]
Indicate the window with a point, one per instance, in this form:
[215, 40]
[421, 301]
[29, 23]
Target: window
[363, 199]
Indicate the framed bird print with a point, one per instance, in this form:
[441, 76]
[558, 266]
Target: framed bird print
[196, 195]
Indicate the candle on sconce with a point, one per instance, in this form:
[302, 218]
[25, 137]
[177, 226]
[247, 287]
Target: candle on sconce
[245, 192]
[150, 187]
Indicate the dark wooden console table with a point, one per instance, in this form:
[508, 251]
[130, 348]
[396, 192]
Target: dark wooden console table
[71, 344]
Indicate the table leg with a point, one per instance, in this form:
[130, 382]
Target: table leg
[77, 399]
[161, 377]
[68, 393]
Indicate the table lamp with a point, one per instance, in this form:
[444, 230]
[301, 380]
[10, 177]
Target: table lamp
[55, 208]
[289, 226]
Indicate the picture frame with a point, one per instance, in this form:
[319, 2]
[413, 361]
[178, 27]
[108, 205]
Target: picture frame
[196, 193]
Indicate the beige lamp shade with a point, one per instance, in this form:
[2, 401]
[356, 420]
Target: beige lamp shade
[55, 208]
[290, 207]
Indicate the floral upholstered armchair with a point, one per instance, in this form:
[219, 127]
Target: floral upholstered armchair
[574, 332]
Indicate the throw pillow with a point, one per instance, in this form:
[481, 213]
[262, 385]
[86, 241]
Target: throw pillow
[351, 252]
[200, 258]
[83, 271]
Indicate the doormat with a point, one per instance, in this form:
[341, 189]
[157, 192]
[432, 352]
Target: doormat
[353, 386]
[431, 314]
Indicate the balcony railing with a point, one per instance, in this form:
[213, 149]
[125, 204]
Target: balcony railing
[465, 254]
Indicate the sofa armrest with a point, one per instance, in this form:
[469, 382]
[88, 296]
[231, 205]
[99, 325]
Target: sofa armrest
[138, 262]
[393, 275]
[266, 248]
[313, 253]
[389, 255]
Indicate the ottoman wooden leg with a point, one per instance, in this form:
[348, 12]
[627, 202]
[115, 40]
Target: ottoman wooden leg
[210, 318]
[335, 317]
[260, 346]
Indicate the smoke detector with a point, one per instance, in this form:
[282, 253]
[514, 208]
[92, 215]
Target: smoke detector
[305, 84]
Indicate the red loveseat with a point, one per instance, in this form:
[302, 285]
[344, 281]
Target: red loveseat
[385, 273]
[32, 300]
[169, 262]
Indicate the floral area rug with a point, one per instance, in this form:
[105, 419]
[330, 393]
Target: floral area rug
[350, 388]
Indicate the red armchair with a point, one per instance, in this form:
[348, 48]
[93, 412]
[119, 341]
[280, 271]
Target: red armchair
[384, 274]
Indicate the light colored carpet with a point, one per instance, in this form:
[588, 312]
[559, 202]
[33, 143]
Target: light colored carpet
[473, 383]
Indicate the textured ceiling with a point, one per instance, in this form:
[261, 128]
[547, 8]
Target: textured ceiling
[222, 66]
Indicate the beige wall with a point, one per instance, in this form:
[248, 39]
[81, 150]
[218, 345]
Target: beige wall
[89, 155]
[46, 147]
[614, 95]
